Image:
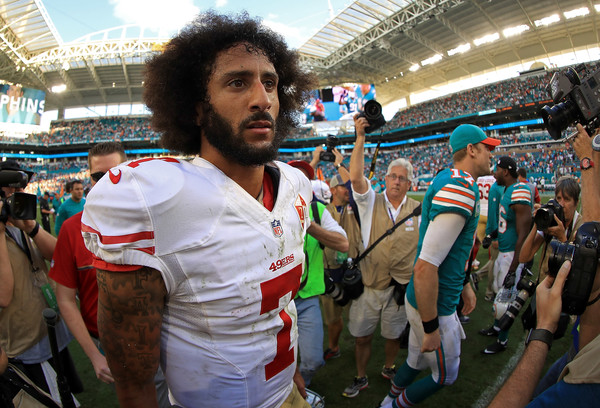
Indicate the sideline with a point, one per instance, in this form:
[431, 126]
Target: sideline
[490, 392]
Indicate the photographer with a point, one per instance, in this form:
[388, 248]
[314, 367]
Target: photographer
[24, 249]
[566, 195]
[388, 268]
[343, 210]
[580, 382]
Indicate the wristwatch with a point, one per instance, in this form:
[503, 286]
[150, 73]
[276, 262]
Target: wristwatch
[337, 167]
[586, 163]
[542, 335]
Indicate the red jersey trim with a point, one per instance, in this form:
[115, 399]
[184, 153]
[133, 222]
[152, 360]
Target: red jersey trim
[119, 239]
[100, 264]
[268, 201]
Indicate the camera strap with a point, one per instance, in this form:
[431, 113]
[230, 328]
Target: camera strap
[374, 161]
[40, 278]
[416, 211]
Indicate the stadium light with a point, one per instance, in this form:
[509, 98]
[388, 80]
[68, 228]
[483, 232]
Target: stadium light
[431, 60]
[486, 39]
[512, 31]
[460, 49]
[546, 21]
[58, 88]
[583, 11]
[414, 68]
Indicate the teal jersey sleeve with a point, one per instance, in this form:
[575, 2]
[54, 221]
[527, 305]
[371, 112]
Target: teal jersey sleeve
[521, 194]
[454, 191]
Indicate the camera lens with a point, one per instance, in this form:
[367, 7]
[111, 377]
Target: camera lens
[544, 218]
[558, 117]
[372, 110]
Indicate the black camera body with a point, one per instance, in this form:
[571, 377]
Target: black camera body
[544, 216]
[372, 111]
[350, 287]
[575, 101]
[330, 143]
[583, 254]
[20, 206]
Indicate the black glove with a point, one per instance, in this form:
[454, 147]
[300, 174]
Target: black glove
[509, 280]
[487, 240]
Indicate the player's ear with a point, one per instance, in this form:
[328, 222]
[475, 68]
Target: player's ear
[201, 109]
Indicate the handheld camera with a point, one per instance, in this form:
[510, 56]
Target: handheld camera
[544, 216]
[372, 111]
[330, 143]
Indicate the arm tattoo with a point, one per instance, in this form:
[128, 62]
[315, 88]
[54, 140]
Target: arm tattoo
[130, 308]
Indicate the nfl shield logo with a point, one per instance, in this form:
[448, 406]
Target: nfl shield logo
[277, 230]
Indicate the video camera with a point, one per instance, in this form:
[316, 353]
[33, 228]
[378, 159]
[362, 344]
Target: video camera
[20, 206]
[575, 101]
[330, 143]
[544, 216]
[350, 287]
[372, 111]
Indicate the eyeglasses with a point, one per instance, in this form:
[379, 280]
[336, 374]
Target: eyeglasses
[97, 175]
[393, 177]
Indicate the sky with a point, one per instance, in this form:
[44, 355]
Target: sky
[296, 20]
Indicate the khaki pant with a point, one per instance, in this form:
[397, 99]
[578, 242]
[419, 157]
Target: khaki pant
[295, 400]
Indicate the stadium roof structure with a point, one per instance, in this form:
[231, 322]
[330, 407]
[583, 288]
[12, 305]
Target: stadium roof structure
[402, 46]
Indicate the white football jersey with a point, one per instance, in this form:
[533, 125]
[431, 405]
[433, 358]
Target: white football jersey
[484, 183]
[230, 266]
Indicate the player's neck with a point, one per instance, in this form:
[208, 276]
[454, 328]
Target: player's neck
[250, 178]
[464, 166]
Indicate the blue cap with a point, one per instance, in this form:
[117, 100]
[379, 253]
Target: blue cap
[470, 134]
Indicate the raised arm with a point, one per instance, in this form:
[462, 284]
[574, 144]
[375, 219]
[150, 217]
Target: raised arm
[590, 190]
[519, 387]
[130, 309]
[530, 246]
[357, 159]
[44, 241]
[342, 171]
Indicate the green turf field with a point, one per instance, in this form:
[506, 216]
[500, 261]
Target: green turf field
[479, 378]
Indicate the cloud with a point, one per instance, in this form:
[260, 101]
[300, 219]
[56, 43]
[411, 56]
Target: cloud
[220, 3]
[166, 17]
[294, 37]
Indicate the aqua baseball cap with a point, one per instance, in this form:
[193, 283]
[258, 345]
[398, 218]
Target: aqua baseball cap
[467, 134]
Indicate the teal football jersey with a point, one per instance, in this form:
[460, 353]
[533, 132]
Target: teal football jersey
[452, 191]
[518, 193]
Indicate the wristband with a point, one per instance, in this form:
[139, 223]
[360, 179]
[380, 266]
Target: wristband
[35, 230]
[542, 335]
[431, 326]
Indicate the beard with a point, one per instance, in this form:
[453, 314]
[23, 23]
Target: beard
[220, 134]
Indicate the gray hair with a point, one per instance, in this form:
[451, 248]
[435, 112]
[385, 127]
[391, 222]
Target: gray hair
[402, 163]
